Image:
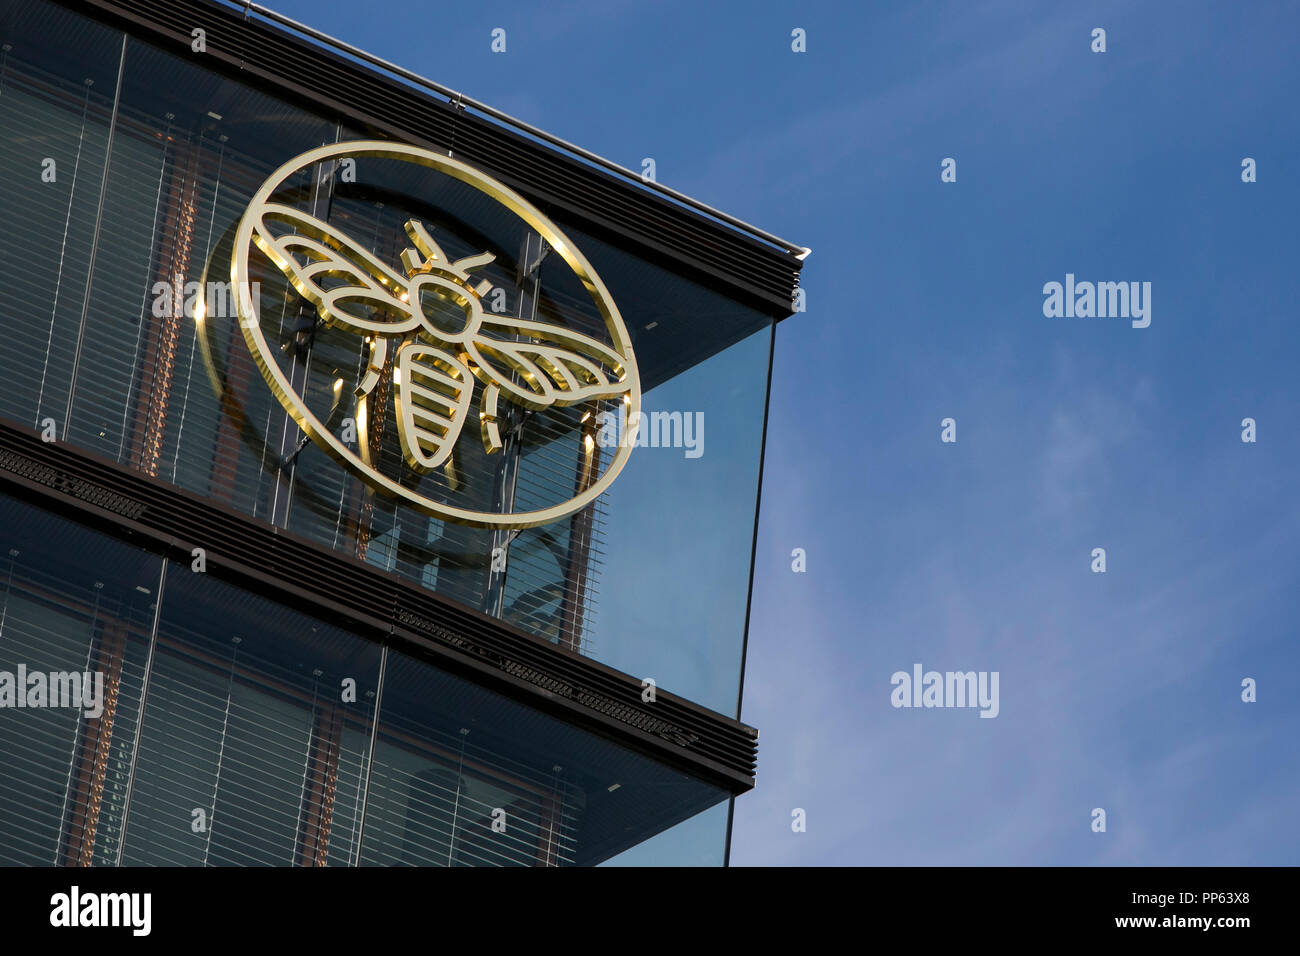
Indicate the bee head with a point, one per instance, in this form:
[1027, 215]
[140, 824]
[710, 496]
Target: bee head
[450, 304]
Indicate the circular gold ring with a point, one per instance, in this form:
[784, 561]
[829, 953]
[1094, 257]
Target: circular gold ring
[250, 324]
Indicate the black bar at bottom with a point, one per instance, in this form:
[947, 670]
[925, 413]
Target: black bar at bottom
[916, 907]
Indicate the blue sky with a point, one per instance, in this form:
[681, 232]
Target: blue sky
[1118, 690]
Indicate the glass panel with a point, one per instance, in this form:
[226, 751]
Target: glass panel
[171, 389]
[55, 110]
[680, 530]
[453, 759]
[254, 742]
[74, 603]
[655, 576]
[699, 841]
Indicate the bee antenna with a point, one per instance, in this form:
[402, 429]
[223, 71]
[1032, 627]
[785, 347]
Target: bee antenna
[473, 262]
[424, 242]
[426, 247]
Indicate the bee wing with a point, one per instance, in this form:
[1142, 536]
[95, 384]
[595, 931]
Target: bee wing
[432, 389]
[551, 366]
[350, 287]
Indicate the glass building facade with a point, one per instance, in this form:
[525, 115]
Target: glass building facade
[238, 728]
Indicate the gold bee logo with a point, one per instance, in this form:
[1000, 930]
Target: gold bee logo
[426, 327]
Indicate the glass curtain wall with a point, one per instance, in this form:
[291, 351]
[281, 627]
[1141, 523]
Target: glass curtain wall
[127, 169]
[130, 168]
[218, 728]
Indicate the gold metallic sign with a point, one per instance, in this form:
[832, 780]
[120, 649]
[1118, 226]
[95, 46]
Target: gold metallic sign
[426, 334]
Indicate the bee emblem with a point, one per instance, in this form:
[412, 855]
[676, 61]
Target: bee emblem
[425, 324]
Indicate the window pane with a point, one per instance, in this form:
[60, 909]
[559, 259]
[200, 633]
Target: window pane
[55, 110]
[254, 744]
[73, 602]
[452, 759]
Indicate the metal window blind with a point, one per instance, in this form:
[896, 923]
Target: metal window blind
[433, 803]
[64, 774]
[247, 756]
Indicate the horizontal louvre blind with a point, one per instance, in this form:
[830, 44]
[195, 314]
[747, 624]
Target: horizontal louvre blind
[46, 118]
[248, 753]
[434, 797]
[64, 769]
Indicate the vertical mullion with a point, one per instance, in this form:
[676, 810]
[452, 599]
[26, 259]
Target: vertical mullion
[370, 759]
[139, 722]
[94, 238]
